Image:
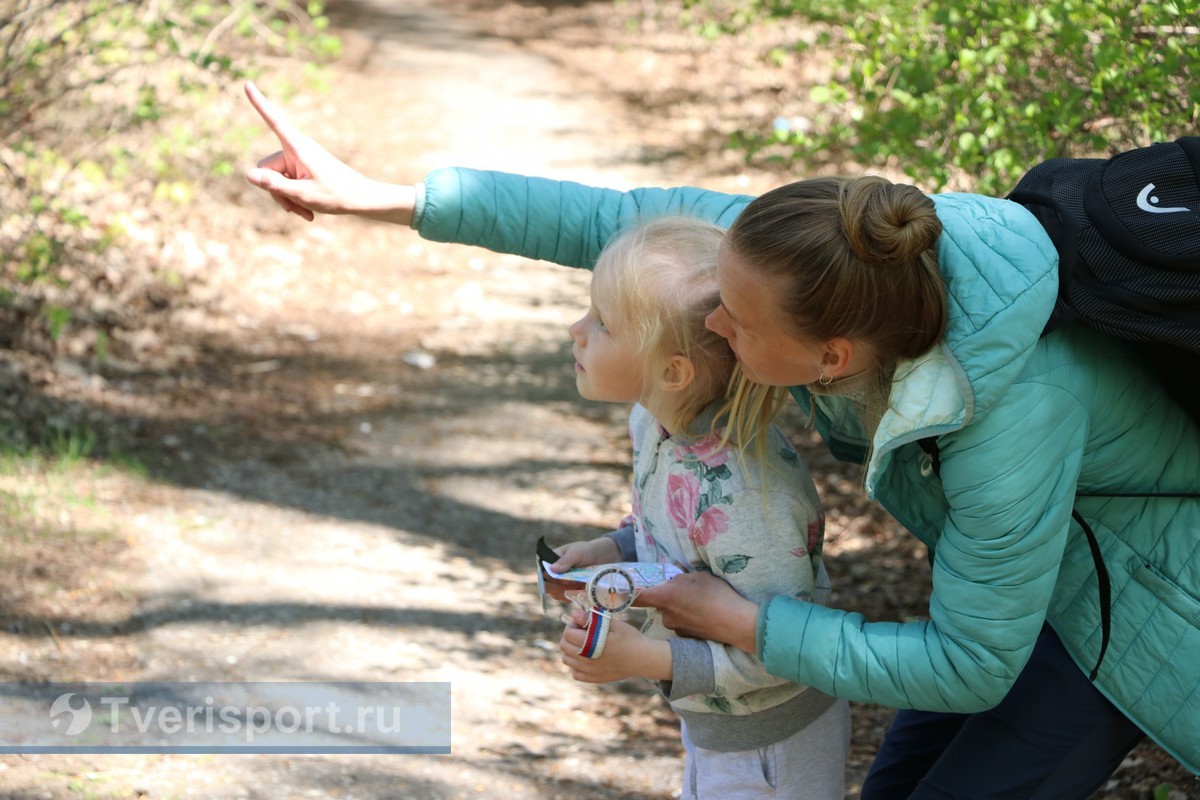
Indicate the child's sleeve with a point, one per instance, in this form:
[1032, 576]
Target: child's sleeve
[763, 545]
[559, 221]
[625, 539]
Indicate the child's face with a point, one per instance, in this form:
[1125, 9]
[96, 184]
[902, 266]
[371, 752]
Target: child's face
[607, 365]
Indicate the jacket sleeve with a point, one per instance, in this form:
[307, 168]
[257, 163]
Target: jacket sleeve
[1010, 480]
[559, 221]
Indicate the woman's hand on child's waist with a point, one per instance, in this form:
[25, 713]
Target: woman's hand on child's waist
[700, 605]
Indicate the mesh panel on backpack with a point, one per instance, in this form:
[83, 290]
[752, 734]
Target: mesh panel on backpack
[1127, 230]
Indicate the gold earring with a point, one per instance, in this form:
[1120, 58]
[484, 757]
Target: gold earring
[824, 380]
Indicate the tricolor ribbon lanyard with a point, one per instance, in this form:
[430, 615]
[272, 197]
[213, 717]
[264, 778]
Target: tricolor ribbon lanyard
[609, 592]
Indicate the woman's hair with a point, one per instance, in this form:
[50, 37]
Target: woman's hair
[749, 410]
[662, 281]
[854, 258]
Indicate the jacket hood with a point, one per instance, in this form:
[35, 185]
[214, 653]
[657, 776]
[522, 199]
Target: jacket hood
[1001, 274]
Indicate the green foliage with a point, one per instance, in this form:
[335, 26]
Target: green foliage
[69, 447]
[953, 91]
[112, 106]
[57, 317]
[61, 443]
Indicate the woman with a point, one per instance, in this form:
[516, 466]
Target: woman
[909, 329]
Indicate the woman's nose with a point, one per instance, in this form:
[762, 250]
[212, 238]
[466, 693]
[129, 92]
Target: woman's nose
[717, 322]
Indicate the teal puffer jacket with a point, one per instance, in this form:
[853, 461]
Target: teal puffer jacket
[1027, 427]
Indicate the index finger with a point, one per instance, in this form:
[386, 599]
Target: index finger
[649, 597]
[273, 115]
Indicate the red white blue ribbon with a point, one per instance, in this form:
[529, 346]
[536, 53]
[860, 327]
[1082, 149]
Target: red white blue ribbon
[596, 633]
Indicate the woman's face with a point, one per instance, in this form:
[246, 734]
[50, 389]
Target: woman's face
[748, 318]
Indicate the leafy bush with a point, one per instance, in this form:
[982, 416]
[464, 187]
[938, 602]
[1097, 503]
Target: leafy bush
[110, 114]
[973, 94]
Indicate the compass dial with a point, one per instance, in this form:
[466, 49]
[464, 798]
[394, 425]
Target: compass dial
[611, 589]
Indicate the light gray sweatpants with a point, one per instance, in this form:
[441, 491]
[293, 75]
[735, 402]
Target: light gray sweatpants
[809, 765]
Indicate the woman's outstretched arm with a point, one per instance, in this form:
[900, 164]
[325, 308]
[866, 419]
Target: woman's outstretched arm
[558, 221]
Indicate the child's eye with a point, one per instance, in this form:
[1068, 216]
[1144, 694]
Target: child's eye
[603, 326]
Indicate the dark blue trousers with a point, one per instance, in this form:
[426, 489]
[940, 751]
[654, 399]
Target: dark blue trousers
[1053, 737]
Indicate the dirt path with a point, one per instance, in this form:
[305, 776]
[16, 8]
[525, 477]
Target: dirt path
[368, 436]
[399, 549]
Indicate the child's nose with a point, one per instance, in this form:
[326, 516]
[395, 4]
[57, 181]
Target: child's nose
[576, 329]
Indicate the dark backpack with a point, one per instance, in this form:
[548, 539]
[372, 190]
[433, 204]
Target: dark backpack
[1127, 231]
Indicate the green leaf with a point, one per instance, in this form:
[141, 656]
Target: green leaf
[821, 94]
[58, 318]
[718, 704]
[718, 473]
[731, 565]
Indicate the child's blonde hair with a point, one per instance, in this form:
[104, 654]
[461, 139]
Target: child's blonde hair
[663, 280]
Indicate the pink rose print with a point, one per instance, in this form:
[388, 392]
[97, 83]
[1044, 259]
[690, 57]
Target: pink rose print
[799, 552]
[651, 542]
[711, 524]
[683, 492]
[815, 529]
[705, 451]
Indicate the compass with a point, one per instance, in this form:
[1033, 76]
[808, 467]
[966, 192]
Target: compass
[611, 590]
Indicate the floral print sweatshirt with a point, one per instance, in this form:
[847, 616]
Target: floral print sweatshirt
[757, 523]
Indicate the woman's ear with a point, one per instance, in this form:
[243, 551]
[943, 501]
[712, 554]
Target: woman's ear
[837, 356]
[678, 373]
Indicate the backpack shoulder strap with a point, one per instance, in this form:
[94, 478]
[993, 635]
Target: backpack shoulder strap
[1103, 582]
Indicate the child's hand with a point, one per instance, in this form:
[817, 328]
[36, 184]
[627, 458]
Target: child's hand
[602, 550]
[628, 653]
[579, 554]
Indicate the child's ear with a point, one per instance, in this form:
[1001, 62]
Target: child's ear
[678, 374]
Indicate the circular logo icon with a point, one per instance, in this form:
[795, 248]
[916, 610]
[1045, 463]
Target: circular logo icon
[80, 717]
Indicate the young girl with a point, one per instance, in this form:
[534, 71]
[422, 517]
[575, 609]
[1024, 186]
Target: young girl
[712, 494]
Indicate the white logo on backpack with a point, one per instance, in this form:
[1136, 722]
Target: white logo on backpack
[1144, 201]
